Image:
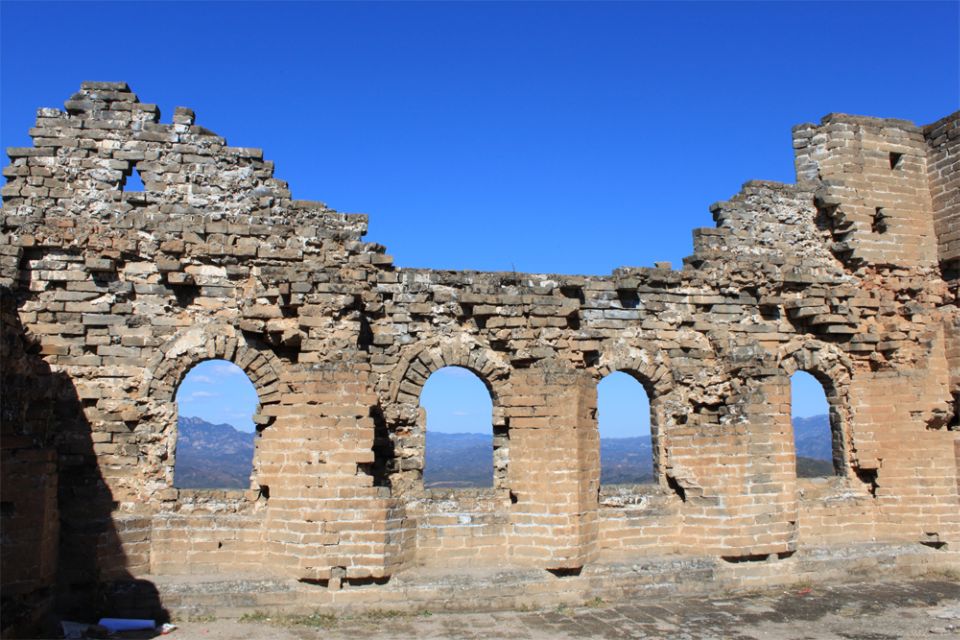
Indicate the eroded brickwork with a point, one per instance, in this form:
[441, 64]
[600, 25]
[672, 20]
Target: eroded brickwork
[111, 296]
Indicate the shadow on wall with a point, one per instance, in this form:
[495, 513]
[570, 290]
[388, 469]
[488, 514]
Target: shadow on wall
[62, 557]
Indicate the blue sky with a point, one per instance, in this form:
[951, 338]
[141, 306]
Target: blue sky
[219, 392]
[623, 409]
[537, 137]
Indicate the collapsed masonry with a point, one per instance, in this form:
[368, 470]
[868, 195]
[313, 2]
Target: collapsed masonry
[110, 296]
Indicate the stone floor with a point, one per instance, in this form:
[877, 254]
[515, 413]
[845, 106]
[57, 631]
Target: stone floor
[925, 608]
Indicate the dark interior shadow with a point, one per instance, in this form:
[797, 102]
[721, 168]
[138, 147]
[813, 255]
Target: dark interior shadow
[62, 557]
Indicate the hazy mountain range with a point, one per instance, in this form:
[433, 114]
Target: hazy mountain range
[212, 456]
[221, 456]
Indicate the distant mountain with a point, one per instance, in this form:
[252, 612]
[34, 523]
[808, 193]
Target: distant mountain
[626, 460]
[212, 456]
[813, 468]
[814, 446]
[457, 460]
[466, 460]
[813, 436]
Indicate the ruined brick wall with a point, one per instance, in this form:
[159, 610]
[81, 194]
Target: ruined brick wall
[841, 275]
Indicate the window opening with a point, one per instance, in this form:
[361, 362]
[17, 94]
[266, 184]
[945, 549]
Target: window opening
[132, 182]
[813, 436]
[215, 430]
[626, 440]
[459, 430]
[895, 159]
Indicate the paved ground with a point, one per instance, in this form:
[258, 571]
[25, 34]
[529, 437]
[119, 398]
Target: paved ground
[928, 608]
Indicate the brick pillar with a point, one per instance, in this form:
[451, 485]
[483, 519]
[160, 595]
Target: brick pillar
[736, 478]
[912, 459]
[325, 519]
[553, 467]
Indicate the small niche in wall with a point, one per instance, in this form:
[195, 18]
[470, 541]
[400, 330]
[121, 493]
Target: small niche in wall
[955, 422]
[879, 222]
[896, 160]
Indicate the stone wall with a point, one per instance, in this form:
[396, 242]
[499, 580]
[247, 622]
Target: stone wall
[850, 274]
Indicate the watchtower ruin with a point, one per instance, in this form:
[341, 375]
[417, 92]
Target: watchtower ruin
[110, 296]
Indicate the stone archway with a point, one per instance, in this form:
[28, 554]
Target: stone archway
[180, 354]
[833, 370]
[406, 419]
[650, 366]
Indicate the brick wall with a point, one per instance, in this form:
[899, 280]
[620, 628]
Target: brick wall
[844, 275]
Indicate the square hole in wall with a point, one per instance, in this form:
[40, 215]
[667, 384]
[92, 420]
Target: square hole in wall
[896, 160]
[132, 182]
[879, 222]
[955, 422]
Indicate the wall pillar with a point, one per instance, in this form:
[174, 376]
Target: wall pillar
[554, 467]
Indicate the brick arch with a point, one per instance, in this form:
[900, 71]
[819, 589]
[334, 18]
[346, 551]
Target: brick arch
[213, 342]
[405, 418]
[180, 354]
[420, 363]
[824, 360]
[650, 366]
[834, 370]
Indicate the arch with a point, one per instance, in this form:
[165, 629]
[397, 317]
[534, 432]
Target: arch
[213, 342]
[204, 415]
[463, 352]
[813, 439]
[188, 348]
[459, 447]
[405, 428]
[833, 370]
[625, 452]
[650, 366]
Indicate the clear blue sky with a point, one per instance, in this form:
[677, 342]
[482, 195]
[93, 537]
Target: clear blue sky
[219, 392]
[457, 402]
[541, 137]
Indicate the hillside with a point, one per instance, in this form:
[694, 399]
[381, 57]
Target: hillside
[212, 456]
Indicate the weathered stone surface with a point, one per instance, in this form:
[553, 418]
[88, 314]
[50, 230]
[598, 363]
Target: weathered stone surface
[110, 297]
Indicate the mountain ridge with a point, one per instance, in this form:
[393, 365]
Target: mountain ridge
[212, 456]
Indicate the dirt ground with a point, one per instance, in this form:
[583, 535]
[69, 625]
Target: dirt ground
[927, 608]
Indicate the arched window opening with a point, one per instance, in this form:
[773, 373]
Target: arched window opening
[459, 430]
[215, 431]
[815, 441]
[627, 442]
